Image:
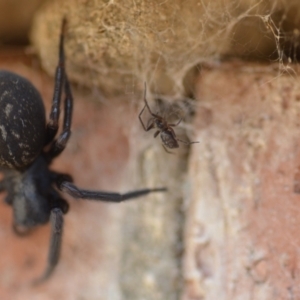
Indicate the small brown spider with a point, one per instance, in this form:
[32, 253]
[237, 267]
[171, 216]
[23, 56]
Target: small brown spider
[164, 128]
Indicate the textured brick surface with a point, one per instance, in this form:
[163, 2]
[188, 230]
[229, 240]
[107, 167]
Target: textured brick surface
[242, 234]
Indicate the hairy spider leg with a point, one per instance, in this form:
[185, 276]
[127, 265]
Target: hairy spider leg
[60, 143]
[52, 126]
[140, 117]
[56, 216]
[186, 142]
[156, 133]
[177, 139]
[171, 130]
[69, 188]
[57, 224]
[173, 125]
[59, 206]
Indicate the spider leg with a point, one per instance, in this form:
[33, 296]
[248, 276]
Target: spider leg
[148, 107]
[156, 133]
[52, 126]
[173, 125]
[60, 143]
[171, 130]
[74, 191]
[186, 142]
[57, 224]
[140, 117]
[150, 124]
[145, 100]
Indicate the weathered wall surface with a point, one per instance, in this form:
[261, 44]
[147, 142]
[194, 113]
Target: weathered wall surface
[242, 225]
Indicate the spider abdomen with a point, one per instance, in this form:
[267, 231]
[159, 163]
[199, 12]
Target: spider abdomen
[168, 139]
[22, 121]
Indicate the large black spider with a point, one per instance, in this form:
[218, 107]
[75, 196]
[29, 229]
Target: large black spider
[32, 188]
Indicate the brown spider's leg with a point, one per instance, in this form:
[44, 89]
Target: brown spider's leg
[156, 133]
[150, 123]
[147, 105]
[75, 192]
[57, 222]
[179, 140]
[52, 126]
[140, 117]
[173, 125]
[186, 142]
[145, 100]
[60, 143]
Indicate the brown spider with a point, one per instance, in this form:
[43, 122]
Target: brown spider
[164, 128]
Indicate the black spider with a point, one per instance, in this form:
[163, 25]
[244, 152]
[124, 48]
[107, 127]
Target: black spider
[32, 189]
[164, 128]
